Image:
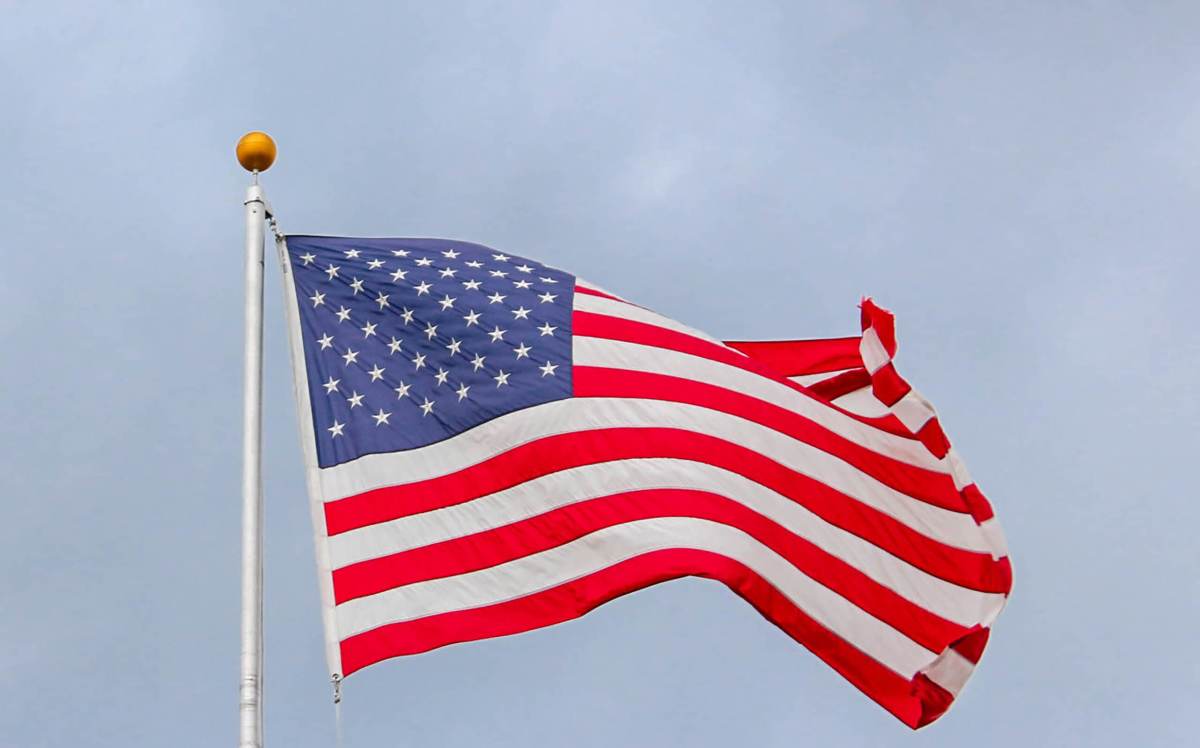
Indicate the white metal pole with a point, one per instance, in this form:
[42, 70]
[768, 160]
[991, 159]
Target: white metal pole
[250, 691]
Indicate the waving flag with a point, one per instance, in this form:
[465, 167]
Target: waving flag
[494, 445]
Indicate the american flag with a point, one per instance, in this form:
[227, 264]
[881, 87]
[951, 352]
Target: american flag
[494, 445]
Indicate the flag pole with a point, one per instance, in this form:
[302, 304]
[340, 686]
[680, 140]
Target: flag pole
[256, 153]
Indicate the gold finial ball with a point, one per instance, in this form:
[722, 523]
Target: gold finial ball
[256, 151]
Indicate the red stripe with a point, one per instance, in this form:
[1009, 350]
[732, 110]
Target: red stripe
[616, 328]
[888, 385]
[595, 325]
[934, 439]
[976, 571]
[971, 646]
[793, 358]
[913, 702]
[564, 524]
[925, 485]
[842, 384]
[934, 699]
[981, 509]
[883, 322]
[601, 294]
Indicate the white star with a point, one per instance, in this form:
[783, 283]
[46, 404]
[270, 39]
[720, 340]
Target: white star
[474, 264]
[522, 284]
[430, 330]
[497, 273]
[393, 346]
[357, 286]
[336, 429]
[524, 268]
[501, 378]
[376, 373]
[400, 252]
[500, 258]
[450, 253]
[331, 385]
[343, 314]
[522, 351]
[472, 318]
[548, 369]
[496, 298]
[520, 313]
[471, 285]
[548, 279]
[427, 407]
[308, 258]
[332, 271]
[447, 272]
[325, 340]
[355, 400]
[381, 417]
[406, 315]
[547, 297]
[447, 302]
[424, 262]
[477, 362]
[454, 346]
[382, 300]
[422, 288]
[497, 334]
[462, 392]
[402, 390]
[369, 329]
[351, 356]
[441, 375]
[351, 254]
[399, 275]
[419, 360]
[317, 299]
[547, 329]
[375, 264]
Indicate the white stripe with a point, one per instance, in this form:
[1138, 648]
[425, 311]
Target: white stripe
[581, 283]
[864, 403]
[951, 671]
[808, 380]
[625, 310]
[609, 546]
[913, 410]
[619, 354]
[958, 470]
[874, 355]
[995, 536]
[536, 497]
[471, 447]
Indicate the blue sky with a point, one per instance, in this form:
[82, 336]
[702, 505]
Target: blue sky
[1019, 184]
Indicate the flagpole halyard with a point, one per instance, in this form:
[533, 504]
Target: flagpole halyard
[256, 153]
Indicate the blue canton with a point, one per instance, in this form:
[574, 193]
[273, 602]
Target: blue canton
[410, 341]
